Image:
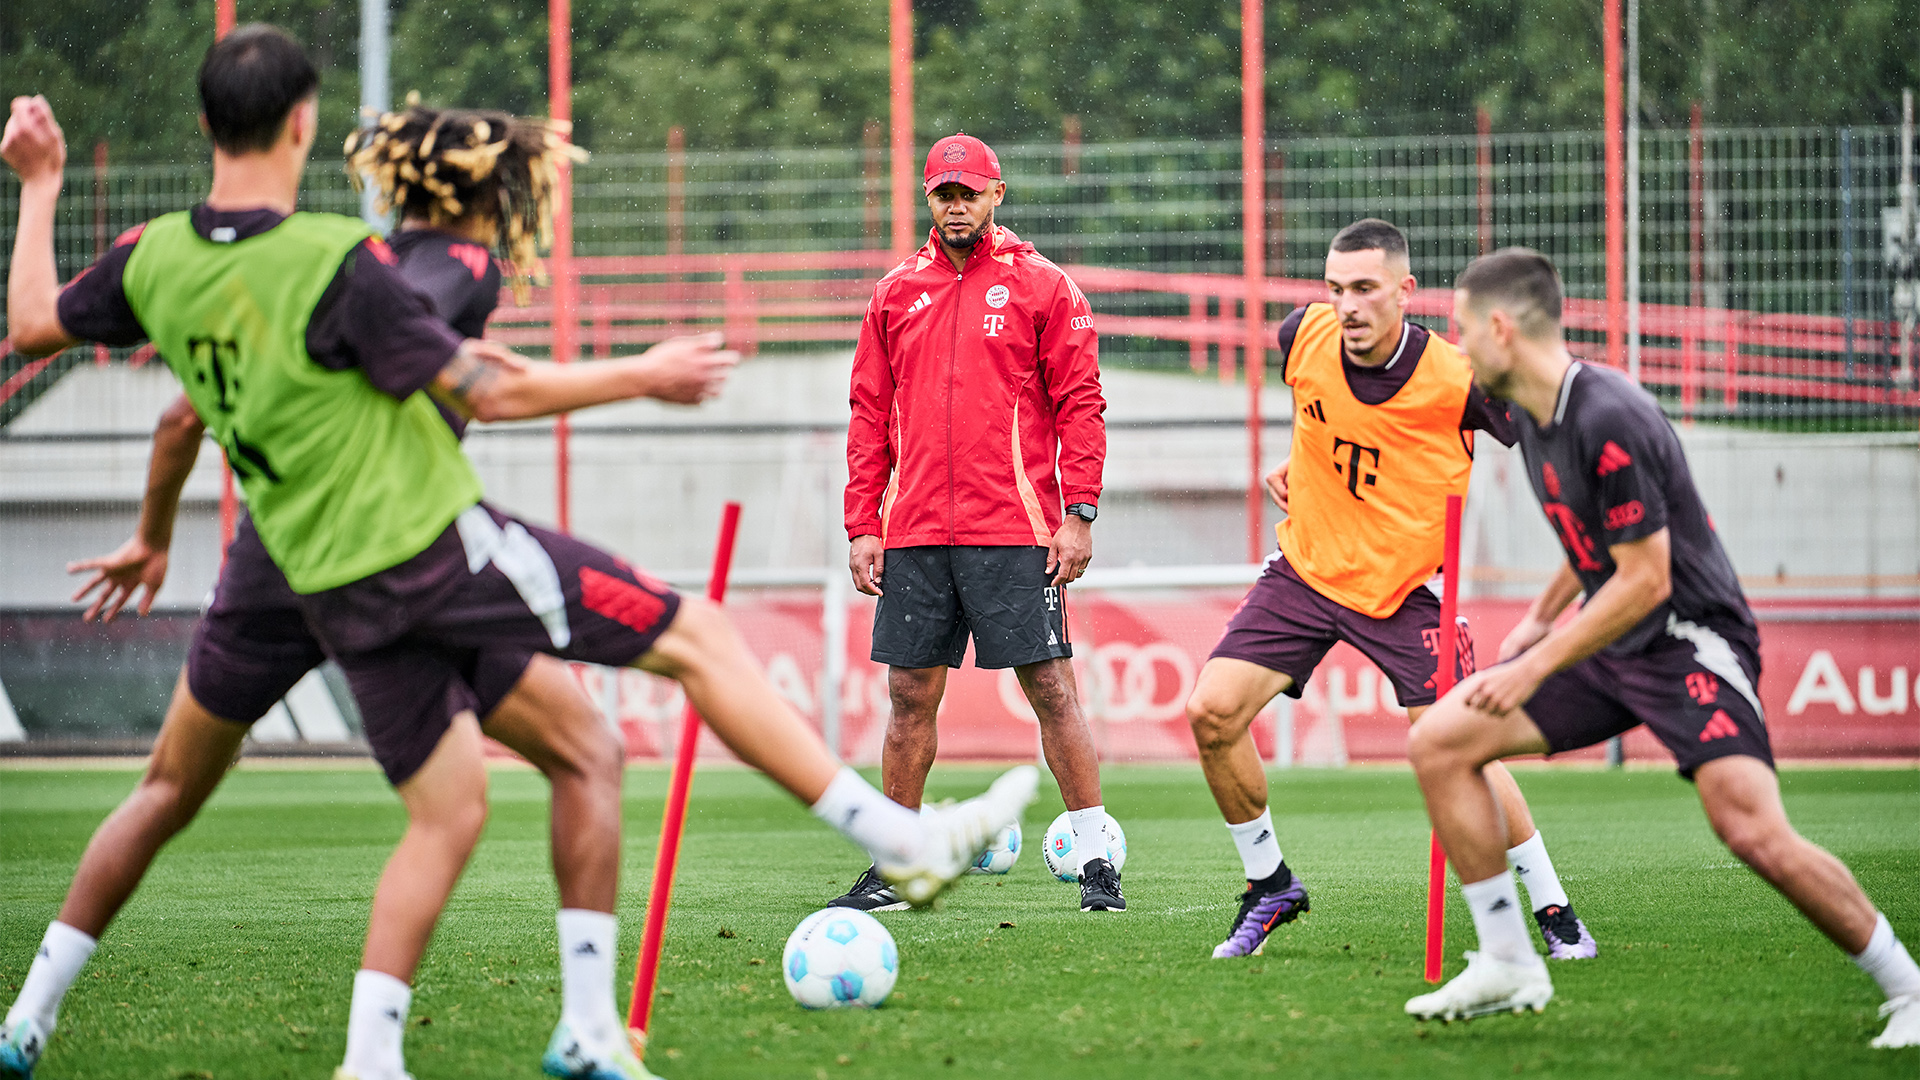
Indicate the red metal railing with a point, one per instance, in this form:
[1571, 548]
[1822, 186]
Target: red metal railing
[1707, 354]
[821, 296]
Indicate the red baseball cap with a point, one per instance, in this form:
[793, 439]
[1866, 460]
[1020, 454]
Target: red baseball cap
[961, 159]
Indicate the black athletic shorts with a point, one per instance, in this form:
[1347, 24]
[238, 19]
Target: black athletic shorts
[417, 640]
[933, 597]
[1285, 625]
[1694, 688]
[252, 645]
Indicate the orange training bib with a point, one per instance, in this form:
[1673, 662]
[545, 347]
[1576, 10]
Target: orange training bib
[1368, 484]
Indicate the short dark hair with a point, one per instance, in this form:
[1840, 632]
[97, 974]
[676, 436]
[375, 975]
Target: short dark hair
[1520, 281]
[249, 83]
[1371, 234]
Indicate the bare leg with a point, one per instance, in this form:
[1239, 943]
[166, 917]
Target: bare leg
[446, 808]
[1450, 748]
[913, 738]
[1228, 695]
[704, 652]
[1741, 796]
[1065, 738]
[191, 756]
[550, 722]
[1520, 827]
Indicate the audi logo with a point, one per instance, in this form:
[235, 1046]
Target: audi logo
[1121, 683]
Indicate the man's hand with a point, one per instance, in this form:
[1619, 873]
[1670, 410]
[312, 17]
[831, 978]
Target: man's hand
[1525, 635]
[1504, 687]
[34, 144]
[1277, 484]
[689, 370]
[130, 568]
[867, 561]
[1070, 551]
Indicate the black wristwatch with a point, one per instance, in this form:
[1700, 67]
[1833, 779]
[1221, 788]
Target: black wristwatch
[1084, 511]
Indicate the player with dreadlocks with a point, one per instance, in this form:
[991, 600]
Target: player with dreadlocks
[430, 600]
[464, 182]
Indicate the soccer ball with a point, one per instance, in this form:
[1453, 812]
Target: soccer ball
[1063, 863]
[840, 959]
[1001, 854]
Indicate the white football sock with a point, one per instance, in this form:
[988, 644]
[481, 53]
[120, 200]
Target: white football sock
[1529, 860]
[891, 833]
[1259, 848]
[1089, 832]
[1888, 962]
[63, 951]
[376, 1021]
[1495, 904]
[587, 943]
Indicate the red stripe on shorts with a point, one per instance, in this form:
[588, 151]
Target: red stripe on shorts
[621, 601]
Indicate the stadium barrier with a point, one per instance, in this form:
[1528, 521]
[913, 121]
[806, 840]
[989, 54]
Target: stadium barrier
[1839, 682]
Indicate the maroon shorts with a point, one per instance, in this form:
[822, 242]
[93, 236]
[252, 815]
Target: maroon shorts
[1284, 625]
[252, 644]
[417, 640]
[1695, 689]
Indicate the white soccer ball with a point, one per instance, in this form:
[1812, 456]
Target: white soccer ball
[1001, 854]
[1064, 863]
[840, 958]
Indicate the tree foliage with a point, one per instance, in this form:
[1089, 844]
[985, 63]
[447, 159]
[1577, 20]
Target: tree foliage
[741, 73]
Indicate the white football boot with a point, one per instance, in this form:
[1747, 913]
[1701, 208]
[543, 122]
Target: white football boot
[956, 835]
[1487, 986]
[573, 1056]
[1903, 1023]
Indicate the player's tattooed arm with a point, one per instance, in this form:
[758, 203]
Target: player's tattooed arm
[37, 150]
[470, 382]
[141, 563]
[1642, 581]
[487, 382]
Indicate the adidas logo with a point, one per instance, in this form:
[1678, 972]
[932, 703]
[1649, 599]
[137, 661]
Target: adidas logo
[1720, 727]
[925, 300]
[1265, 835]
[1317, 411]
[391, 1014]
[1612, 459]
[1499, 905]
[585, 948]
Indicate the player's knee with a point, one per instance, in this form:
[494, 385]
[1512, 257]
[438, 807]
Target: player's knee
[1434, 744]
[1217, 721]
[1755, 839]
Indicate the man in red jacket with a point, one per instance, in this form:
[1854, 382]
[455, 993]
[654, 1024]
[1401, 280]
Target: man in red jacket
[978, 368]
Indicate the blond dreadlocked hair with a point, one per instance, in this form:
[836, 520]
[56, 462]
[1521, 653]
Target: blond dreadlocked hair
[448, 165]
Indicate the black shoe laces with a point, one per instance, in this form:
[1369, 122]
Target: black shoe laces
[870, 882]
[1102, 878]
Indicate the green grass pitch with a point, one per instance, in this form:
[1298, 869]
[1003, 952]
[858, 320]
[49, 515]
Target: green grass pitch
[235, 959]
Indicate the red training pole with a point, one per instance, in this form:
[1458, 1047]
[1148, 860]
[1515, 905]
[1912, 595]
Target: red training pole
[1443, 682]
[640, 1009]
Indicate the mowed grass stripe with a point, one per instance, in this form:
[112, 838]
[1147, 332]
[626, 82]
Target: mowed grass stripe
[236, 957]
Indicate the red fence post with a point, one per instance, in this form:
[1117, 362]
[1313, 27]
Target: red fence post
[1616, 180]
[100, 353]
[565, 323]
[900, 34]
[1253, 101]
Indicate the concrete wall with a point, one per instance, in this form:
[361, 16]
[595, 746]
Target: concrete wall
[1828, 515]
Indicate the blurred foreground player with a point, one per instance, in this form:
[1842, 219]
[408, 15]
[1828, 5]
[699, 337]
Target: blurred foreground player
[974, 455]
[251, 645]
[1665, 639]
[1384, 420]
[362, 498]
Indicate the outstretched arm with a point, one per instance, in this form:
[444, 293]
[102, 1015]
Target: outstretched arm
[37, 150]
[141, 562]
[483, 381]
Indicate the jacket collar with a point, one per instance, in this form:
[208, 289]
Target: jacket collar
[1001, 245]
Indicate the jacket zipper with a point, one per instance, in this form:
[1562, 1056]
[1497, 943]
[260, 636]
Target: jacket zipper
[953, 362]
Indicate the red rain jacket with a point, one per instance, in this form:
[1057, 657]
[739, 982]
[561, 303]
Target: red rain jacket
[968, 386]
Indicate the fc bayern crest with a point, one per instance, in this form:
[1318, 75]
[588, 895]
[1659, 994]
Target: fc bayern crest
[954, 154]
[997, 296]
